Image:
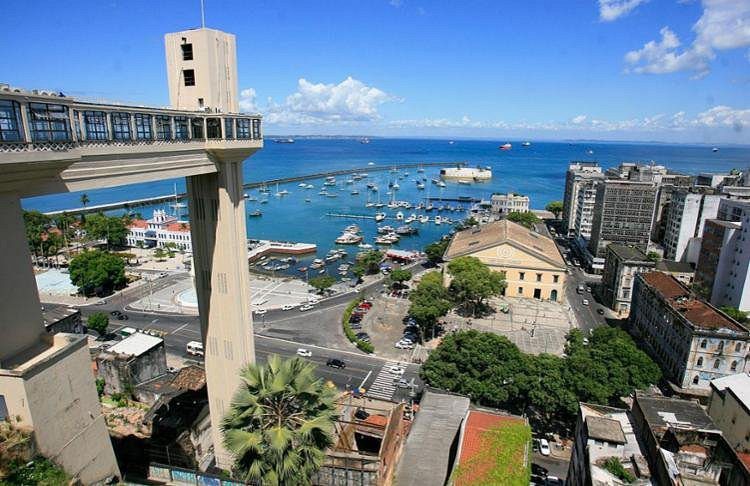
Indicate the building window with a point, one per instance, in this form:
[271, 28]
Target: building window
[181, 128]
[734, 366]
[256, 129]
[143, 126]
[699, 363]
[695, 380]
[520, 290]
[163, 127]
[704, 343]
[555, 278]
[553, 295]
[213, 128]
[120, 126]
[228, 128]
[717, 363]
[48, 122]
[189, 76]
[243, 128]
[521, 275]
[196, 124]
[738, 347]
[187, 52]
[95, 123]
[10, 121]
[538, 277]
[721, 346]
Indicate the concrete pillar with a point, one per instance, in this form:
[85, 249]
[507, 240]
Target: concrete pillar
[222, 282]
[21, 321]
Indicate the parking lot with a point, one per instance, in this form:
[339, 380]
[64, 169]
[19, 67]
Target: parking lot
[384, 324]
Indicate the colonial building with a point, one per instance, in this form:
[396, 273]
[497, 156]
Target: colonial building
[621, 264]
[508, 203]
[529, 259]
[691, 340]
[159, 231]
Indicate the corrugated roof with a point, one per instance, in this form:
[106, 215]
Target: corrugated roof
[492, 234]
[136, 344]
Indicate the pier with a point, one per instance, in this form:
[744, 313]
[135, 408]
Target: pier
[253, 185]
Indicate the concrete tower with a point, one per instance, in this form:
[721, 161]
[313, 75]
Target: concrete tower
[202, 70]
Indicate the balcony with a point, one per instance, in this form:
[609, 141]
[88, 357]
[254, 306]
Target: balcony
[69, 142]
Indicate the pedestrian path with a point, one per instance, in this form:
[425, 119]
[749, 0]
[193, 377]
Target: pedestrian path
[383, 386]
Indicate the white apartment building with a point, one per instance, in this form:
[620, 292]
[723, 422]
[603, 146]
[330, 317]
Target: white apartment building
[159, 231]
[578, 173]
[732, 281]
[687, 216]
[508, 203]
[584, 215]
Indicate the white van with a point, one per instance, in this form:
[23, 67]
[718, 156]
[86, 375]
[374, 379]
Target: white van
[195, 348]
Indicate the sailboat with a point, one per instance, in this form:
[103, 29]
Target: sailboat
[280, 193]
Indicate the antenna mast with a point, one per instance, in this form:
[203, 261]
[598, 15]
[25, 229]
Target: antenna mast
[203, 16]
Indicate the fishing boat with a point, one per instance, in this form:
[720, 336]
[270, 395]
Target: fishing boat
[255, 213]
[379, 217]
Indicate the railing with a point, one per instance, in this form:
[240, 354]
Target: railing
[47, 122]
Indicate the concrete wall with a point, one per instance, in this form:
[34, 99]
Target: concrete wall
[731, 417]
[118, 371]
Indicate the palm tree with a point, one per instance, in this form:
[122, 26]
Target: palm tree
[280, 422]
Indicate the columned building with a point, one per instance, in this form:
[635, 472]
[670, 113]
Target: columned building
[51, 143]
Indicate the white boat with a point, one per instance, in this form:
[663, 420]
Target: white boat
[526, 144]
[379, 217]
[400, 216]
[505, 146]
[438, 220]
[350, 181]
[424, 219]
[420, 186]
[364, 246]
[281, 193]
[250, 197]
[323, 193]
[392, 205]
[371, 163]
[384, 230]
[395, 186]
[466, 183]
[440, 184]
[348, 239]
[317, 263]
[370, 205]
[302, 184]
[307, 199]
[412, 218]
[331, 195]
[354, 192]
[420, 169]
[352, 228]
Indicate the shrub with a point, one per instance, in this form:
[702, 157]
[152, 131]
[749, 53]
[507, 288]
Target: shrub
[366, 347]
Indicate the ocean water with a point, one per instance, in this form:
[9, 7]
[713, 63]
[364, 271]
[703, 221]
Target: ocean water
[537, 171]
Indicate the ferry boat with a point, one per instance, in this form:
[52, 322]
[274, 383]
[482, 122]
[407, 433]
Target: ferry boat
[379, 217]
[505, 146]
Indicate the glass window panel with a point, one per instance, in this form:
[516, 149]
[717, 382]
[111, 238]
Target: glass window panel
[163, 128]
[197, 127]
[10, 121]
[121, 126]
[213, 128]
[243, 128]
[181, 128]
[228, 128]
[96, 125]
[143, 126]
[48, 122]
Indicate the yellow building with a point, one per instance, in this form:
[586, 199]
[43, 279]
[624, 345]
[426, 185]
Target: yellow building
[530, 261]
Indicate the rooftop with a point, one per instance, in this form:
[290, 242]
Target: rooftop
[427, 452]
[603, 428]
[699, 313]
[674, 267]
[738, 384]
[55, 313]
[493, 234]
[492, 446]
[190, 378]
[136, 344]
[626, 252]
[661, 412]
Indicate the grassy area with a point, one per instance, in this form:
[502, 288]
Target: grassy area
[366, 347]
[504, 458]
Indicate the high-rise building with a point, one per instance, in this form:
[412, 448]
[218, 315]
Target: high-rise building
[687, 215]
[578, 173]
[202, 70]
[584, 209]
[621, 264]
[692, 341]
[623, 213]
[717, 234]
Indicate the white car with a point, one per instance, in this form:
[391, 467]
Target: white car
[288, 307]
[585, 302]
[306, 307]
[304, 352]
[259, 312]
[396, 370]
[585, 341]
[544, 447]
[403, 345]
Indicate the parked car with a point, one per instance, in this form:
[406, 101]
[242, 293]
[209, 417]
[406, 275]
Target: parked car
[306, 307]
[305, 353]
[600, 311]
[288, 307]
[402, 383]
[403, 345]
[335, 363]
[115, 313]
[397, 370]
[259, 312]
[585, 341]
[122, 317]
[363, 336]
[544, 447]
[585, 302]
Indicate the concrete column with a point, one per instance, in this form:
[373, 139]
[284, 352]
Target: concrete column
[219, 238]
[21, 322]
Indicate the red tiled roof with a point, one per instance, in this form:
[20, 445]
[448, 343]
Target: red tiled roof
[178, 227]
[699, 313]
[138, 223]
[475, 442]
[745, 459]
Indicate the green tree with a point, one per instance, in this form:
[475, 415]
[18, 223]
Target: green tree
[36, 224]
[280, 422]
[322, 282]
[109, 228]
[555, 207]
[436, 250]
[429, 302]
[97, 272]
[735, 313]
[473, 282]
[653, 256]
[399, 276]
[368, 263]
[159, 253]
[525, 218]
[99, 322]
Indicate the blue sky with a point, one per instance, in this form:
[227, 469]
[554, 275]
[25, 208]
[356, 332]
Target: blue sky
[667, 70]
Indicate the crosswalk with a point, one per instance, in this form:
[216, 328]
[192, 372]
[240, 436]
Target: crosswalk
[383, 386]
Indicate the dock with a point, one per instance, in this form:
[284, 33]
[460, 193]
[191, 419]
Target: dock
[135, 203]
[356, 216]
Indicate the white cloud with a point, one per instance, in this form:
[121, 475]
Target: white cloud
[313, 103]
[247, 101]
[577, 120]
[724, 25]
[724, 116]
[610, 10]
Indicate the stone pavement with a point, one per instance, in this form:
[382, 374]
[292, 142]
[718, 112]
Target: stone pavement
[534, 326]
